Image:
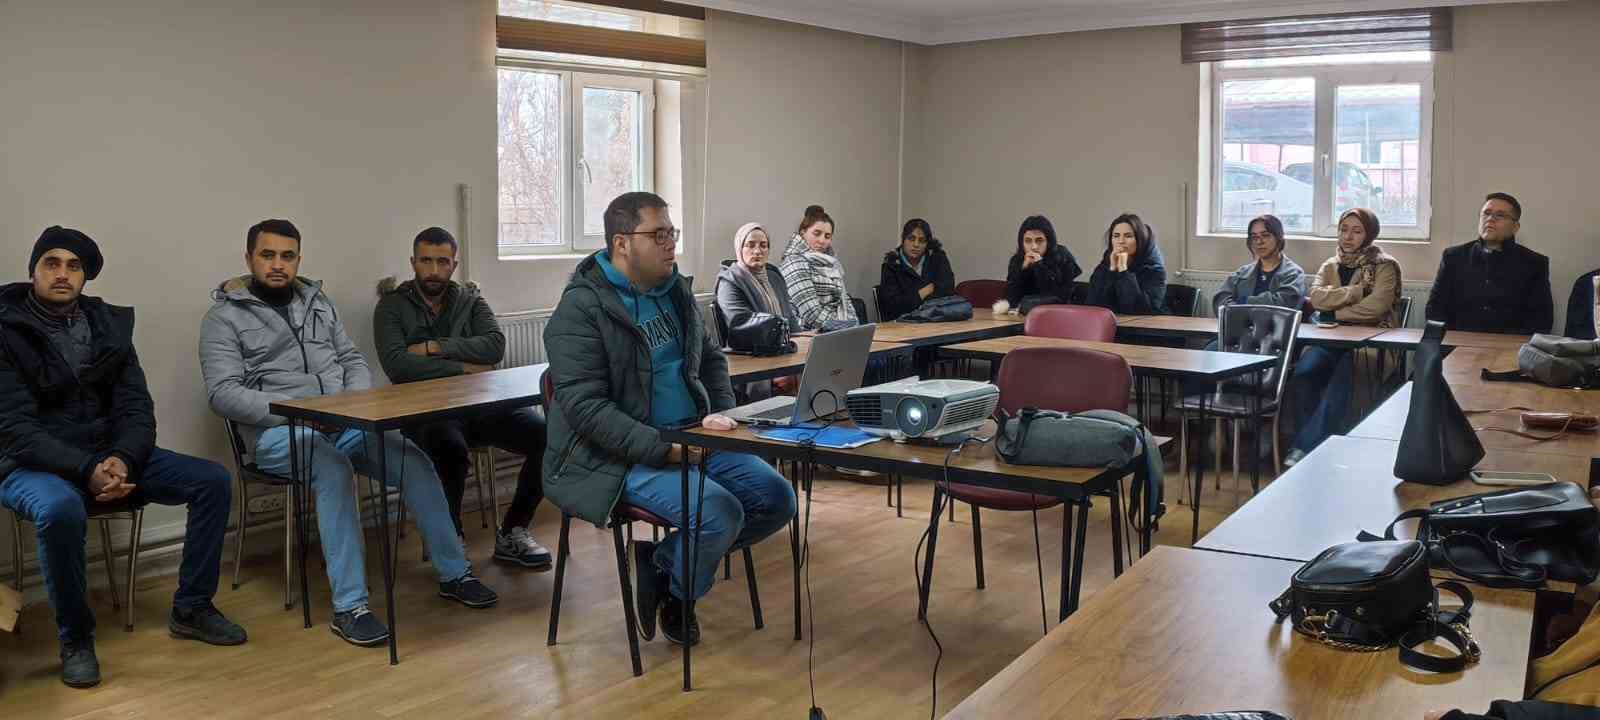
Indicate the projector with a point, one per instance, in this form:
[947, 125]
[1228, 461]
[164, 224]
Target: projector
[916, 408]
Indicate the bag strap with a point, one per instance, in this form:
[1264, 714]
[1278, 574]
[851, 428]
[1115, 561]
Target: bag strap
[1516, 572]
[1388, 533]
[1452, 627]
[1502, 376]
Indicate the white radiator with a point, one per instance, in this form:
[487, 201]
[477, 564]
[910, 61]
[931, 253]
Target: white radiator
[524, 332]
[1208, 282]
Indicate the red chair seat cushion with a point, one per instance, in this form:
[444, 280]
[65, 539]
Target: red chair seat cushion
[628, 512]
[997, 499]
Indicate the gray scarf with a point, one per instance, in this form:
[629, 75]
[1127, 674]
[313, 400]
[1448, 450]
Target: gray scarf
[756, 287]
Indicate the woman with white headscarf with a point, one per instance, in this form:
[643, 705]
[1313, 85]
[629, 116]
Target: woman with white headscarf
[748, 285]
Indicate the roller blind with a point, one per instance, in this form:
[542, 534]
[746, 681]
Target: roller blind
[519, 33]
[1392, 31]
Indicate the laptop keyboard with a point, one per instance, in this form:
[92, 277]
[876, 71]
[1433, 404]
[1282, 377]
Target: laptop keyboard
[778, 413]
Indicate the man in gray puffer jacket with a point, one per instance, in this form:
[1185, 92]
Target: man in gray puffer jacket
[272, 335]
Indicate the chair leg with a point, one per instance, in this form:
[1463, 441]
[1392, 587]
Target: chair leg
[1235, 425]
[561, 574]
[1218, 457]
[952, 510]
[888, 492]
[899, 495]
[977, 546]
[755, 594]
[494, 495]
[727, 566]
[477, 475]
[106, 556]
[242, 497]
[627, 599]
[133, 562]
[927, 562]
[1277, 449]
[16, 551]
[288, 548]
[1183, 456]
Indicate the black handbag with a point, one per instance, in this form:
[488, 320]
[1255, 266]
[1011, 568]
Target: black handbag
[761, 334]
[1370, 596]
[1512, 538]
[1438, 444]
[1032, 301]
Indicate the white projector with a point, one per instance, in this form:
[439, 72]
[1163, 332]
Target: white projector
[916, 408]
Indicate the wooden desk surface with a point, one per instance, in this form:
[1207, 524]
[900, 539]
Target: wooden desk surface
[395, 405]
[1142, 358]
[1388, 421]
[1348, 485]
[1342, 335]
[983, 324]
[1453, 338]
[1188, 631]
[747, 368]
[909, 458]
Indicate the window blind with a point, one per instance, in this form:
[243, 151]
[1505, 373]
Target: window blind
[1367, 32]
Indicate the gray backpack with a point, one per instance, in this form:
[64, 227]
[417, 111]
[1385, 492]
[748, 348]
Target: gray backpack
[1560, 361]
[1093, 438]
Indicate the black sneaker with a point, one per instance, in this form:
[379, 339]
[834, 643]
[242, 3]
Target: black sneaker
[468, 591]
[79, 667]
[360, 627]
[205, 624]
[647, 587]
[672, 610]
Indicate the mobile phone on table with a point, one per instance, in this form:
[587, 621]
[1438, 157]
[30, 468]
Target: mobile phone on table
[1502, 477]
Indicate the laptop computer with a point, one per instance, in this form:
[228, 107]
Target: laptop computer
[834, 366]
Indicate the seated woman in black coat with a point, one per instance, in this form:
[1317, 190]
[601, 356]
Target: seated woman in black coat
[1041, 270]
[1131, 278]
[916, 271]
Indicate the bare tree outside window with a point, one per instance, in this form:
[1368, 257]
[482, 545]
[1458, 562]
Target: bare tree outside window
[530, 158]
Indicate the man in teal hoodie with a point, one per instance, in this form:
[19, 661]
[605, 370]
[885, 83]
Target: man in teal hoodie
[629, 355]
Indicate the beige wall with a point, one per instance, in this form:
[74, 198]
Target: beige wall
[165, 130]
[1083, 126]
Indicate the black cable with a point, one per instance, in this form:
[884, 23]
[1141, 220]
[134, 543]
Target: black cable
[916, 566]
[811, 605]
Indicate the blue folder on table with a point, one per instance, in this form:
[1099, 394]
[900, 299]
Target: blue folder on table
[836, 438]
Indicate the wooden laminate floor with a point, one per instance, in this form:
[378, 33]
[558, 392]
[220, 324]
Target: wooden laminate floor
[873, 659]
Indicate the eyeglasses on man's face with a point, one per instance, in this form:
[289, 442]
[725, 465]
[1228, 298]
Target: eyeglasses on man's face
[663, 237]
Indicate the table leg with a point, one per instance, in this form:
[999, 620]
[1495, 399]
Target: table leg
[1116, 527]
[1199, 471]
[1138, 397]
[1077, 556]
[1066, 558]
[301, 498]
[927, 562]
[1255, 428]
[685, 573]
[384, 549]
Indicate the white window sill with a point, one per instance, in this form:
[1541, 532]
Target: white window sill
[1384, 240]
[552, 257]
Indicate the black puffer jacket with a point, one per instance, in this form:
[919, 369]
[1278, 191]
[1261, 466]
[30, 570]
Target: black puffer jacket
[1051, 277]
[1142, 290]
[52, 420]
[900, 287]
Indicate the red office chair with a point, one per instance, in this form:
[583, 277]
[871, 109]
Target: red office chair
[1071, 322]
[622, 515]
[983, 294]
[1089, 380]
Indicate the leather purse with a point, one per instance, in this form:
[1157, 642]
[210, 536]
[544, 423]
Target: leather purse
[1370, 596]
[1512, 538]
[1560, 421]
[1438, 444]
[761, 334]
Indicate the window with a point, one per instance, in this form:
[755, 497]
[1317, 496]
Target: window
[577, 115]
[568, 143]
[1307, 138]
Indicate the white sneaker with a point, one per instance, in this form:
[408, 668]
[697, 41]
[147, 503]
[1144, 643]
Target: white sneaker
[1293, 457]
[517, 547]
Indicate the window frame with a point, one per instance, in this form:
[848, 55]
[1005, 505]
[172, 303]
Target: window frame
[574, 241]
[1327, 79]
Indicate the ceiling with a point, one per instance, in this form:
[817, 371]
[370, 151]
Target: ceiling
[934, 22]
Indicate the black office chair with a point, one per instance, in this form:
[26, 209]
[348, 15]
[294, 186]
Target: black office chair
[1255, 330]
[1079, 293]
[877, 303]
[249, 474]
[1183, 300]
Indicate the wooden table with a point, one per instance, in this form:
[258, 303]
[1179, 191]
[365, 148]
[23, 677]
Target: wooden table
[749, 368]
[1186, 631]
[975, 465]
[1343, 336]
[1143, 359]
[1348, 485]
[982, 326]
[1409, 338]
[379, 410]
[1388, 421]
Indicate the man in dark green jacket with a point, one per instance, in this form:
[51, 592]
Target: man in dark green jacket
[432, 327]
[629, 355]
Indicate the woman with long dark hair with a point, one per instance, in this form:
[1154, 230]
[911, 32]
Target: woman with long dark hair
[1131, 278]
[915, 271]
[1041, 270]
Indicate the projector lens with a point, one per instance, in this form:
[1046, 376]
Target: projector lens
[912, 417]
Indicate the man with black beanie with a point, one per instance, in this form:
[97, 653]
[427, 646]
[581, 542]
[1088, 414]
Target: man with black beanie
[77, 435]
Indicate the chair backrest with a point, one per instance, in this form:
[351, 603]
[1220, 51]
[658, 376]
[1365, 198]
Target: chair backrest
[547, 388]
[860, 306]
[983, 294]
[248, 470]
[1403, 312]
[1071, 322]
[721, 321]
[1079, 293]
[877, 303]
[1183, 300]
[1261, 330]
[1098, 380]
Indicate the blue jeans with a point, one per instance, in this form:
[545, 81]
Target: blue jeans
[746, 501]
[334, 460]
[58, 510]
[1324, 380]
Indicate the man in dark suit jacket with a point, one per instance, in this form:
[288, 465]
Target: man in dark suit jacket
[1494, 284]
